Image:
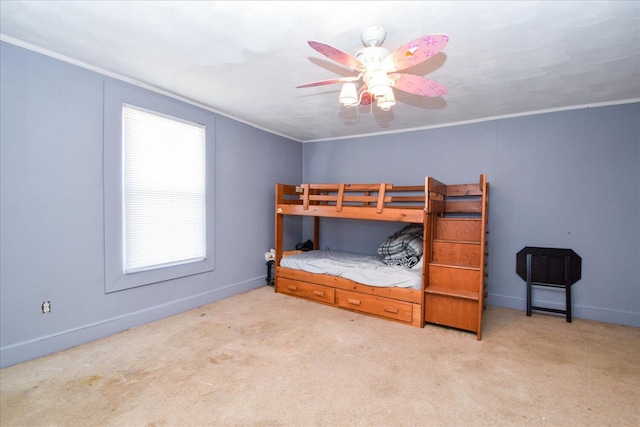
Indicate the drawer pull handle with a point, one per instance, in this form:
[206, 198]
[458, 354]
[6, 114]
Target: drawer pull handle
[391, 310]
[354, 301]
[292, 288]
[318, 293]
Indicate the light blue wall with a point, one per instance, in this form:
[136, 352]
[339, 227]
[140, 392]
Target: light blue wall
[567, 180]
[52, 212]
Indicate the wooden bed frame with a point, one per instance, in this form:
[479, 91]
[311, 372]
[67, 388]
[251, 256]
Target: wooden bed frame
[455, 221]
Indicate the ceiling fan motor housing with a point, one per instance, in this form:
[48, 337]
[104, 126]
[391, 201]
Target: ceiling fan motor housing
[373, 36]
[372, 56]
[374, 73]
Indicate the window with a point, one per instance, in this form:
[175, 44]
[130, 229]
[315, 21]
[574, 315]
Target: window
[164, 190]
[158, 188]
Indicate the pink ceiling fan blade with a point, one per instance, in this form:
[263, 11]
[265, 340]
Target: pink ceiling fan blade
[418, 85]
[329, 82]
[415, 52]
[336, 54]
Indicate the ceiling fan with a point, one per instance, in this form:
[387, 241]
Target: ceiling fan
[377, 69]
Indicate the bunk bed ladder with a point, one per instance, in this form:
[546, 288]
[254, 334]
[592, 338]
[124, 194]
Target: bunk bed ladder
[456, 274]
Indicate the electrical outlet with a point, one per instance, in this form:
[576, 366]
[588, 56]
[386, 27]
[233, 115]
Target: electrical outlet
[46, 307]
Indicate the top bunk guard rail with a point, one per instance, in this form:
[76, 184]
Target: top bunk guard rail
[383, 201]
[464, 198]
[435, 199]
[455, 199]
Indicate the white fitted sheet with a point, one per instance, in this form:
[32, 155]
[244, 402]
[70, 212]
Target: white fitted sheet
[361, 268]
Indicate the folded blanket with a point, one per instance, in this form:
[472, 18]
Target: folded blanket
[404, 247]
[407, 261]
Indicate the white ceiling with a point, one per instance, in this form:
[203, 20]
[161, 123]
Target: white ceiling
[244, 59]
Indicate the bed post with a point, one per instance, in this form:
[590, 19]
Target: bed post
[316, 233]
[279, 223]
[426, 248]
[484, 188]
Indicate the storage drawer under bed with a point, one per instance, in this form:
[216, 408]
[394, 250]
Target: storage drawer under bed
[392, 309]
[305, 290]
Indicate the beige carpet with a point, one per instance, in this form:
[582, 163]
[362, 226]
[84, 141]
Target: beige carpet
[265, 359]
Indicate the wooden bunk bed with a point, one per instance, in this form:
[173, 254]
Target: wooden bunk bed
[454, 220]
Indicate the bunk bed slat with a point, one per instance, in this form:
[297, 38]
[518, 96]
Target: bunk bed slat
[464, 190]
[463, 206]
[354, 212]
[381, 199]
[340, 197]
[305, 196]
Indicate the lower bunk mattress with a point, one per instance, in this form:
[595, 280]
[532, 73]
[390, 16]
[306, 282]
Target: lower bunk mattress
[361, 268]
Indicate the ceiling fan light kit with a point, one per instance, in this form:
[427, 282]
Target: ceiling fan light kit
[386, 100]
[378, 69]
[349, 95]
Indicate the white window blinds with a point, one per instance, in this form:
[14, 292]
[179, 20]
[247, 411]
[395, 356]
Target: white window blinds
[164, 190]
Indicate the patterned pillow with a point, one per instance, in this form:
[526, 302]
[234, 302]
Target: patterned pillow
[403, 247]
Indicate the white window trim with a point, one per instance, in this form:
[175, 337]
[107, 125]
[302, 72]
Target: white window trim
[115, 95]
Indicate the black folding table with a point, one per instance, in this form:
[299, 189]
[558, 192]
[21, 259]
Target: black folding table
[558, 268]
